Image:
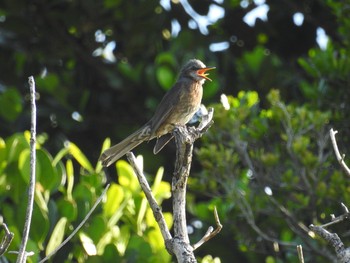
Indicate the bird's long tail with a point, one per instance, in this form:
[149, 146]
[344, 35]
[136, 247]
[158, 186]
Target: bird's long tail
[112, 154]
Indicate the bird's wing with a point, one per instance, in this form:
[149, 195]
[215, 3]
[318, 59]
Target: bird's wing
[166, 106]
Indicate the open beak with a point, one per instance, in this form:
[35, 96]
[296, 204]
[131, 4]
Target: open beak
[202, 72]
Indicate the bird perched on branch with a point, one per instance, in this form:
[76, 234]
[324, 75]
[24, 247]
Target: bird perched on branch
[177, 107]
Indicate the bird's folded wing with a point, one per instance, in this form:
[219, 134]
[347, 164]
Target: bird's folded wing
[165, 107]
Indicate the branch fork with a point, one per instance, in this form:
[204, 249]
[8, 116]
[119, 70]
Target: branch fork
[179, 244]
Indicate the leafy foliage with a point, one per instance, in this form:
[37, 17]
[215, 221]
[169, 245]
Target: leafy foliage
[124, 227]
[101, 68]
[262, 166]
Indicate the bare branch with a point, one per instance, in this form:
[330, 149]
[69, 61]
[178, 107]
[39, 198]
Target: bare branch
[343, 254]
[300, 253]
[210, 232]
[339, 157]
[338, 219]
[184, 139]
[156, 209]
[82, 223]
[7, 239]
[22, 253]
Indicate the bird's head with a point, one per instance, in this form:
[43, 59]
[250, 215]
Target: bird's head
[196, 70]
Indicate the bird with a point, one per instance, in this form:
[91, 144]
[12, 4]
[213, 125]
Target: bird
[177, 107]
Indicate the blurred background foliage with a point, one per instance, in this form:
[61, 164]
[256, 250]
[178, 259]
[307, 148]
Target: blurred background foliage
[101, 67]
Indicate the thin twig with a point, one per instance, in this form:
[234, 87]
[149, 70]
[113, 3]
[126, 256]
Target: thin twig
[338, 219]
[156, 209]
[6, 240]
[300, 253]
[22, 253]
[339, 157]
[210, 232]
[78, 227]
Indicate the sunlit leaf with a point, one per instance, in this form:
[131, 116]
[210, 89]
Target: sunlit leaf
[157, 179]
[126, 176]
[70, 178]
[123, 239]
[80, 157]
[63, 152]
[106, 144]
[88, 244]
[15, 145]
[41, 202]
[115, 196]
[141, 214]
[57, 235]
[2, 150]
[24, 165]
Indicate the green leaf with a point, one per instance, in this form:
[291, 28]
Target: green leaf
[141, 214]
[41, 202]
[97, 227]
[106, 144]
[70, 178]
[83, 192]
[120, 211]
[111, 3]
[49, 83]
[126, 176]
[63, 152]
[255, 58]
[129, 71]
[48, 177]
[123, 239]
[88, 244]
[139, 249]
[165, 58]
[68, 209]
[210, 259]
[24, 165]
[80, 157]
[115, 196]
[13, 185]
[165, 76]
[40, 222]
[57, 235]
[2, 151]
[155, 238]
[10, 104]
[163, 191]
[157, 179]
[113, 234]
[211, 87]
[270, 259]
[15, 145]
